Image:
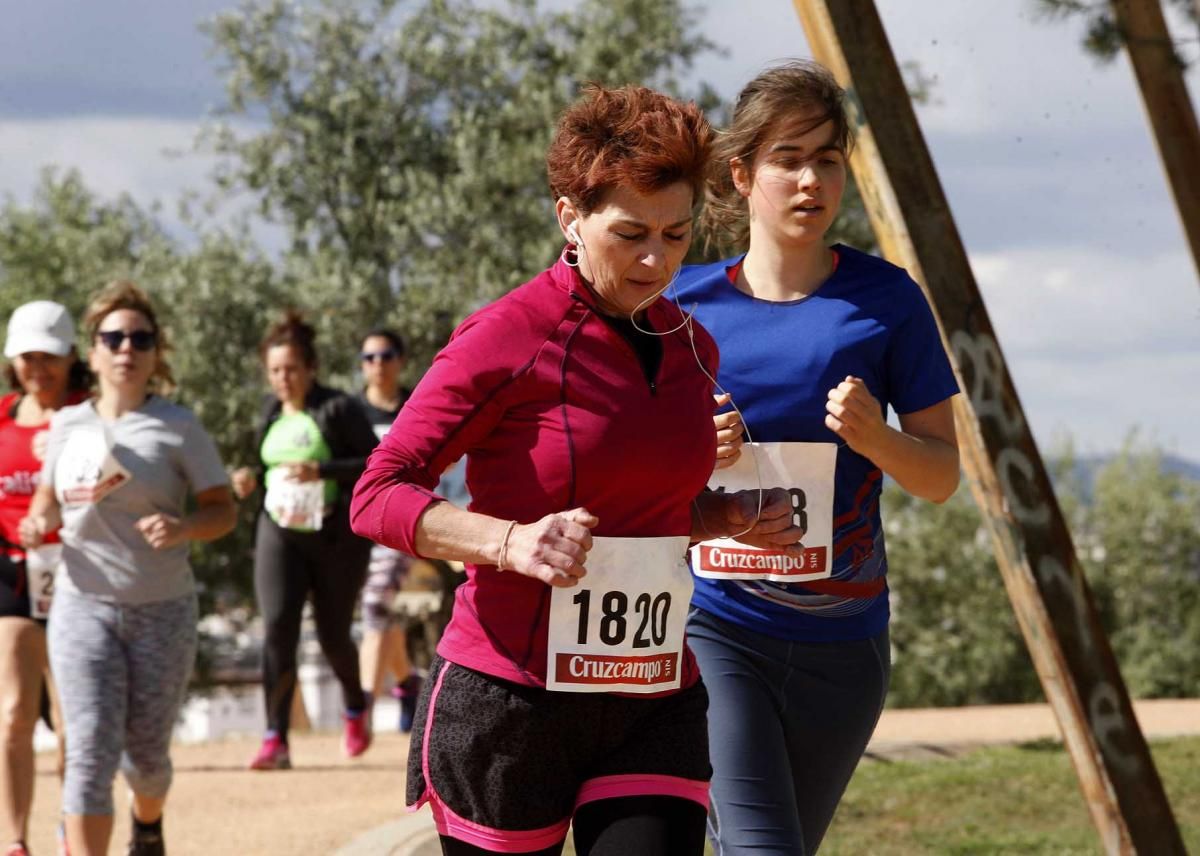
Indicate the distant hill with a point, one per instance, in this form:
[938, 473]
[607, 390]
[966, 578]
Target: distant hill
[1087, 468]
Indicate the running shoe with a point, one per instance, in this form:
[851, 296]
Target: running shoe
[146, 843]
[358, 732]
[406, 693]
[272, 755]
[17, 848]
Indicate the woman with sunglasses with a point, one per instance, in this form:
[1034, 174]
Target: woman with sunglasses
[385, 644]
[46, 376]
[312, 443]
[118, 475]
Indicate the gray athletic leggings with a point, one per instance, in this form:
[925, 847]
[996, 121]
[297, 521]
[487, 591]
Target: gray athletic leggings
[787, 725]
[122, 674]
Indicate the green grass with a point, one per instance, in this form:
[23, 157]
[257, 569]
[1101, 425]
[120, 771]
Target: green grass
[1022, 799]
[1010, 800]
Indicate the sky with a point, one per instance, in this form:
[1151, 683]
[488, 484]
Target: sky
[1045, 155]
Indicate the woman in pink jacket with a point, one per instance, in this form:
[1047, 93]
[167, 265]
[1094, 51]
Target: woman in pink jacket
[563, 691]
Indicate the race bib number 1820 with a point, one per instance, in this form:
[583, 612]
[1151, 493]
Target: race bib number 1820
[620, 629]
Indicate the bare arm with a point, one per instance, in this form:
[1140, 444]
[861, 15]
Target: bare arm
[215, 515]
[44, 516]
[922, 456]
[552, 549]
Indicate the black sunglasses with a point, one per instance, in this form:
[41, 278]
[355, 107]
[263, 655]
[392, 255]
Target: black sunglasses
[382, 356]
[142, 340]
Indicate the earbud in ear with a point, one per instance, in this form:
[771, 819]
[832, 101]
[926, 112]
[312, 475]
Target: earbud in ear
[573, 235]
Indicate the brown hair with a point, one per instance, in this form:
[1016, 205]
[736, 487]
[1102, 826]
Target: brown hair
[124, 294]
[769, 99]
[631, 136]
[294, 332]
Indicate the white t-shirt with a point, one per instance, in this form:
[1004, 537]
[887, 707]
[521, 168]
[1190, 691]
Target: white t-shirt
[159, 455]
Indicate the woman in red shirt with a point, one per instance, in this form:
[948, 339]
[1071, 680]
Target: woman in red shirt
[563, 691]
[45, 375]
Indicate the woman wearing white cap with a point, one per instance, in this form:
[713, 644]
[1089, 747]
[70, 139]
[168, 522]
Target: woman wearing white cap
[44, 376]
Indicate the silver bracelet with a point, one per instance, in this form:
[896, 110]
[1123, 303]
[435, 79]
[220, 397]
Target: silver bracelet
[502, 557]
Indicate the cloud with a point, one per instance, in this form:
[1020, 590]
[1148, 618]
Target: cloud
[1098, 343]
[149, 159]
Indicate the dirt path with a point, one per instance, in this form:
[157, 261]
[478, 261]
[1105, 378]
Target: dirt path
[219, 807]
[328, 802]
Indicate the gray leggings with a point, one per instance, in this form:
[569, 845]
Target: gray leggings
[122, 674]
[787, 725]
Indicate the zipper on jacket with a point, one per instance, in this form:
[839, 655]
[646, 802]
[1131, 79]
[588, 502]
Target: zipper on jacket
[651, 382]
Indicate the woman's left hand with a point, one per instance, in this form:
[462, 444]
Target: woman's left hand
[729, 434]
[302, 471]
[162, 531]
[855, 416]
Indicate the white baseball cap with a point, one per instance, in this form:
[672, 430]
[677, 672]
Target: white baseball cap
[42, 325]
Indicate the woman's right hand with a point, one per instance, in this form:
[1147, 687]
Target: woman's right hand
[554, 548]
[244, 482]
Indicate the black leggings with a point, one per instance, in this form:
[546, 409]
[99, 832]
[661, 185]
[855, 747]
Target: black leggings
[629, 826]
[288, 565]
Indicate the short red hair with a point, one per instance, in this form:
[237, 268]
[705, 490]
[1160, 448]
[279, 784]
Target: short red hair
[633, 137]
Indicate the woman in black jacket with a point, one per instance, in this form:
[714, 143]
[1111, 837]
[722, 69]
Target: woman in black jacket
[312, 445]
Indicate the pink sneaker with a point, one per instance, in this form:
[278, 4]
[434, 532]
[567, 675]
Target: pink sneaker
[358, 732]
[17, 848]
[272, 755]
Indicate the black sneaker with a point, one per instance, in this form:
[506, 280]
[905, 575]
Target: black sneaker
[146, 842]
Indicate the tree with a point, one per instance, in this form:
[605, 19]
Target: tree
[1103, 37]
[214, 301]
[954, 637]
[66, 243]
[1140, 544]
[403, 145]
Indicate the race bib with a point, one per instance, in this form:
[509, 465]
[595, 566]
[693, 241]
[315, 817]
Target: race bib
[621, 628]
[295, 504]
[41, 563]
[806, 471]
[87, 471]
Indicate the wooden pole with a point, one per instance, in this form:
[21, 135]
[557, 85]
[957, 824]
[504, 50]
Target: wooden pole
[1053, 605]
[1172, 117]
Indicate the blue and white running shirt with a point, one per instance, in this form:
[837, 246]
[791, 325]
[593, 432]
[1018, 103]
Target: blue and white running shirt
[779, 360]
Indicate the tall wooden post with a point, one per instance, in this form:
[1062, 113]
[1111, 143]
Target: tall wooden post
[1045, 582]
[1164, 93]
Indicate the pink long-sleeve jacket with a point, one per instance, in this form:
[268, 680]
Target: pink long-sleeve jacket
[553, 410]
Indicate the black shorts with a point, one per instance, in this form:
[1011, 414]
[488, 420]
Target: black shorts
[14, 590]
[504, 766]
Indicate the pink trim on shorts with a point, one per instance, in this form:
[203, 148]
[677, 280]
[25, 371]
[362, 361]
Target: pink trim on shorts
[642, 785]
[451, 824]
[496, 840]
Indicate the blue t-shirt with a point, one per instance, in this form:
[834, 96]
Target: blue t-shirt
[779, 360]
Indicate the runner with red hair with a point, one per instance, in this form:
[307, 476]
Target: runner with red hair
[563, 691]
